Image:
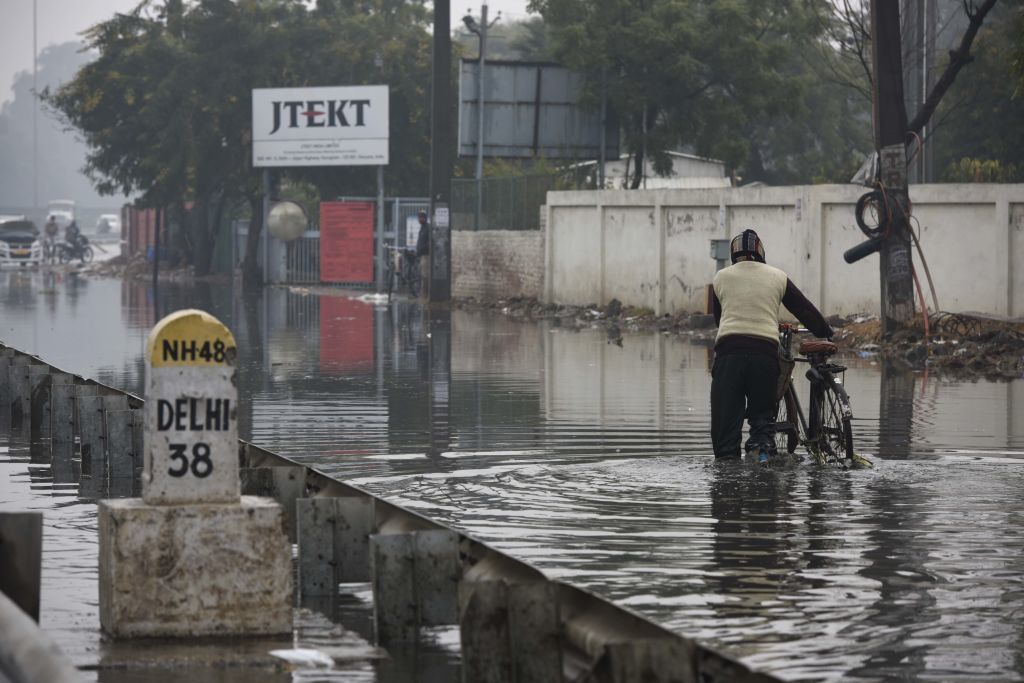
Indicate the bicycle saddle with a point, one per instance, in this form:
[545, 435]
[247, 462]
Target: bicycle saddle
[815, 346]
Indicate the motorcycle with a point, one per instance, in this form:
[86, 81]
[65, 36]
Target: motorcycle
[79, 249]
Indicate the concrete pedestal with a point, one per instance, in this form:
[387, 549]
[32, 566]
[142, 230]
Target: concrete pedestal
[192, 570]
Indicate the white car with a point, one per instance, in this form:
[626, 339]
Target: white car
[19, 241]
[108, 224]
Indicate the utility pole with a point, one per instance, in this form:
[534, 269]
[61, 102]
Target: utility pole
[442, 146]
[890, 119]
[35, 116]
[481, 31]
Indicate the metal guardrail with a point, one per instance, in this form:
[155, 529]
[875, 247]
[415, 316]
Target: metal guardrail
[516, 625]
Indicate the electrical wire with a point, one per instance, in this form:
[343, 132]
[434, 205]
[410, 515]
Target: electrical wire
[924, 311]
[924, 262]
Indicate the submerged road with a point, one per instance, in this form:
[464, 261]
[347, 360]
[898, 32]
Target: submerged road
[592, 461]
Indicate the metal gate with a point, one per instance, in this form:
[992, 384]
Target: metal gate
[302, 257]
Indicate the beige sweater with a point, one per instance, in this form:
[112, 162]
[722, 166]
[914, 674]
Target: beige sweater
[750, 294]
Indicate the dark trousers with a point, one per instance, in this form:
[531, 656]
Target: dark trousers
[743, 385]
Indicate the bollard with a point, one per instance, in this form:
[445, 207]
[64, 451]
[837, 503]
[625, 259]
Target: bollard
[120, 458]
[21, 546]
[62, 438]
[138, 429]
[89, 409]
[317, 576]
[415, 582]
[333, 536]
[393, 565]
[484, 634]
[39, 402]
[192, 557]
[6, 355]
[437, 571]
[18, 381]
[510, 632]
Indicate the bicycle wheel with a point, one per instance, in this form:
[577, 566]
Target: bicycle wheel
[412, 276]
[787, 426]
[389, 280]
[831, 434]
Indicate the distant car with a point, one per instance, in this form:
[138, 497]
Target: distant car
[108, 223]
[19, 241]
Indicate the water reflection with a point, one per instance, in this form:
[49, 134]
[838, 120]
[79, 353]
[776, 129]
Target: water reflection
[592, 460]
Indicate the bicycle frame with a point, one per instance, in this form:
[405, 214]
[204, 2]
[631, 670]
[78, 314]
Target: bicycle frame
[821, 373]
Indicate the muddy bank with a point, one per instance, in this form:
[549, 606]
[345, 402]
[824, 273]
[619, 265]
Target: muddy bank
[958, 345]
[139, 268]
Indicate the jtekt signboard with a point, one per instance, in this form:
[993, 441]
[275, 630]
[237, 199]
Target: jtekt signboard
[336, 126]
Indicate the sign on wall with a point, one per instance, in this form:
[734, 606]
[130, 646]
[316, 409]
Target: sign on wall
[346, 241]
[334, 126]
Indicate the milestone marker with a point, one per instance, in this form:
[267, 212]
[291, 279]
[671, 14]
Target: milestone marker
[191, 446]
[192, 557]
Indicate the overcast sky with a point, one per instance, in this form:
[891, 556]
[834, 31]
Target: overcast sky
[59, 21]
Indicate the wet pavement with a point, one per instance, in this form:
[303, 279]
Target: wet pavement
[592, 461]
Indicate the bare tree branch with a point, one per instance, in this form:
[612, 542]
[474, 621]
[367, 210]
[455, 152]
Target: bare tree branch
[958, 59]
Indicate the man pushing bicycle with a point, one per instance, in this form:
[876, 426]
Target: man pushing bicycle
[745, 374]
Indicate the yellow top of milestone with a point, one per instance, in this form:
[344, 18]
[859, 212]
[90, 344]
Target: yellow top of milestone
[190, 337]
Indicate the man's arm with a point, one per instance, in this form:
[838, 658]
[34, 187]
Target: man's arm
[716, 307]
[797, 304]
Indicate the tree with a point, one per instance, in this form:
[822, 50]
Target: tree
[166, 106]
[679, 73]
[983, 117]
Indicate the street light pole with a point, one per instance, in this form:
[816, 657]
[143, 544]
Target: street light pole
[480, 117]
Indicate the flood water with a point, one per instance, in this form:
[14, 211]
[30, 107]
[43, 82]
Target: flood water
[592, 461]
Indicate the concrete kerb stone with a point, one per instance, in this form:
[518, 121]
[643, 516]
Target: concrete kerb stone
[284, 484]
[39, 382]
[317, 575]
[395, 614]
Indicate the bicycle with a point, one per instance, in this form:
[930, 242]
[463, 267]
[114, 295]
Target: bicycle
[826, 431]
[403, 270]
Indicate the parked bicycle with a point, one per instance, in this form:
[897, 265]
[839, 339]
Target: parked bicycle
[825, 432]
[403, 270]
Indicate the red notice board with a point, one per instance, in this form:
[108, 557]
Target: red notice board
[346, 241]
[346, 335]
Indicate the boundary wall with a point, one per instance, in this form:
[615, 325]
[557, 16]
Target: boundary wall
[651, 248]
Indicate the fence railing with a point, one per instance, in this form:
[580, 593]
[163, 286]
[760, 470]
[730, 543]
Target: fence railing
[509, 202]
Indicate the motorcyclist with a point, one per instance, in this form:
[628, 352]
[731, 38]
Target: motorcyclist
[72, 234]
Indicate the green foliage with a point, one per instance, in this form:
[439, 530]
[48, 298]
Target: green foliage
[166, 107]
[982, 115]
[969, 170]
[731, 79]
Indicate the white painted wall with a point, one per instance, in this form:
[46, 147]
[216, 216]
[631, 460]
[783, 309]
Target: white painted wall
[651, 248]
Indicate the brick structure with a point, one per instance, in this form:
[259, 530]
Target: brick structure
[498, 264]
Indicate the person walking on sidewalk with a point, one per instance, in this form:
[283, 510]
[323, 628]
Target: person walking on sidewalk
[745, 374]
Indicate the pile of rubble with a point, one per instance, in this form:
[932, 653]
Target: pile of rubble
[958, 344]
[962, 345]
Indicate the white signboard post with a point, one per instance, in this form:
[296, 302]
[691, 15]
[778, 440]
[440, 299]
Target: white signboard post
[333, 126]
